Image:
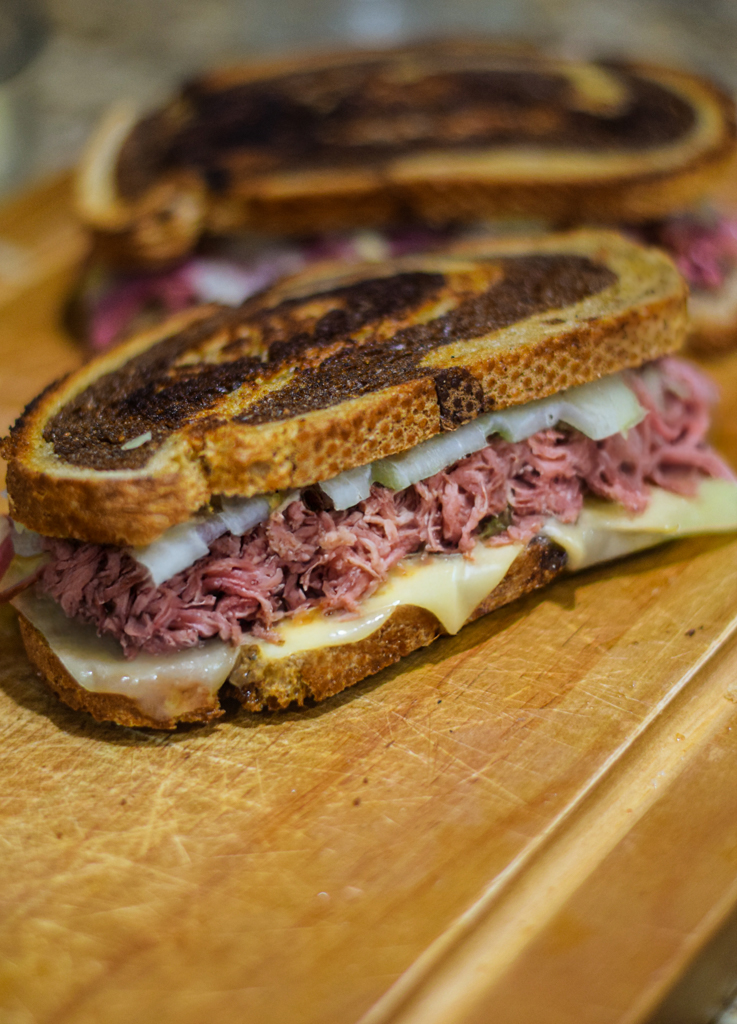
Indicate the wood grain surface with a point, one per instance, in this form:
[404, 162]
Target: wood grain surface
[533, 821]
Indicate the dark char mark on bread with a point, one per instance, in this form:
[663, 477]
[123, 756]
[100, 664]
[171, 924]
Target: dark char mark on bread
[379, 109]
[162, 388]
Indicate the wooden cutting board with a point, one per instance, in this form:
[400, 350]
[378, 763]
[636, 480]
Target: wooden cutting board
[533, 821]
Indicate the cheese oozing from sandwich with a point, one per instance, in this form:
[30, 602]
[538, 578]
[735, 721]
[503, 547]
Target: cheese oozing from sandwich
[449, 586]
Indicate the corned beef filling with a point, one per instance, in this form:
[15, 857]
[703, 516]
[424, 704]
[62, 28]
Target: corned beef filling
[703, 248]
[307, 557]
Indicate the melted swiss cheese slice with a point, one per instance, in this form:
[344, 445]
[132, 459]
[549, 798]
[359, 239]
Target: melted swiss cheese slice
[163, 686]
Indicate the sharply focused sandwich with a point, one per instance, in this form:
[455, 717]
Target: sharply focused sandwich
[291, 495]
[441, 135]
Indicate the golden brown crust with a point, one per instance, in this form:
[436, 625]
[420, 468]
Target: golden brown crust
[65, 504]
[437, 184]
[105, 707]
[638, 317]
[275, 683]
[118, 512]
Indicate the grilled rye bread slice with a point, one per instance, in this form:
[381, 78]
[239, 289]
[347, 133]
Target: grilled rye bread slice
[258, 681]
[328, 370]
[436, 132]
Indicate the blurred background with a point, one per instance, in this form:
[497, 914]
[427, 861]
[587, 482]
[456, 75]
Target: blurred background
[63, 61]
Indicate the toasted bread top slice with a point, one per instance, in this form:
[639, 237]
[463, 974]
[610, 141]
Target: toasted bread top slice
[440, 132]
[330, 369]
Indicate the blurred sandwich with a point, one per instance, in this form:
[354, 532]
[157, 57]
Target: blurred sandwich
[291, 495]
[370, 154]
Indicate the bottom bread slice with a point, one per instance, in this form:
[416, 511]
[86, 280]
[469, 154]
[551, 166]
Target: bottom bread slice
[260, 682]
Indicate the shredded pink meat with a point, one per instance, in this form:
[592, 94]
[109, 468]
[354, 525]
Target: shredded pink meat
[304, 557]
[703, 249]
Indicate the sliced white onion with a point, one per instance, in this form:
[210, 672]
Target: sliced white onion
[601, 408]
[181, 546]
[230, 282]
[176, 549]
[348, 488]
[429, 457]
[598, 409]
[239, 515]
[220, 281]
[26, 543]
[521, 421]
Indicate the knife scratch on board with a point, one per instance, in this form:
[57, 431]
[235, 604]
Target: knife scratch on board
[154, 822]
